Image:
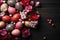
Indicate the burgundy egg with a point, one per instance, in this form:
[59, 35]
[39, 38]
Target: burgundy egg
[4, 33]
[11, 10]
[15, 32]
[18, 25]
[25, 33]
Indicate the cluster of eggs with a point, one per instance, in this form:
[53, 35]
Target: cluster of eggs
[16, 16]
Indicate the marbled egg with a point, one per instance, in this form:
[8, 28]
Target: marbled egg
[11, 2]
[2, 24]
[4, 7]
[18, 6]
[15, 32]
[9, 27]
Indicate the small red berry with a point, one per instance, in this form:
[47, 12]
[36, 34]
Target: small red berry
[37, 4]
[52, 24]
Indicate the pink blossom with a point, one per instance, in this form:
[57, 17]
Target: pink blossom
[28, 8]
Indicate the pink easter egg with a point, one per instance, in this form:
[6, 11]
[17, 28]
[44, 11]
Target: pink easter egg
[18, 25]
[11, 10]
[15, 32]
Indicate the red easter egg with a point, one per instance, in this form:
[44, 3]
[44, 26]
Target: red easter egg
[6, 18]
[15, 17]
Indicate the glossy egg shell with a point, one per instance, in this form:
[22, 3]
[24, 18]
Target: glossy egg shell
[6, 18]
[15, 17]
[18, 25]
[15, 32]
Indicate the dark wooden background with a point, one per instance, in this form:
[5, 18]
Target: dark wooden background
[49, 9]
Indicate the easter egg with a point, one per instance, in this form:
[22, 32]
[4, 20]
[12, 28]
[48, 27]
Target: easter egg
[18, 6]
[26, 33]
[27, 23]
[15, 17]
[9, 27]
[18, 25]
[6, 18]
[11, 10]
[11, 2]
[4, 7]
[15, 32]
[2, 24]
